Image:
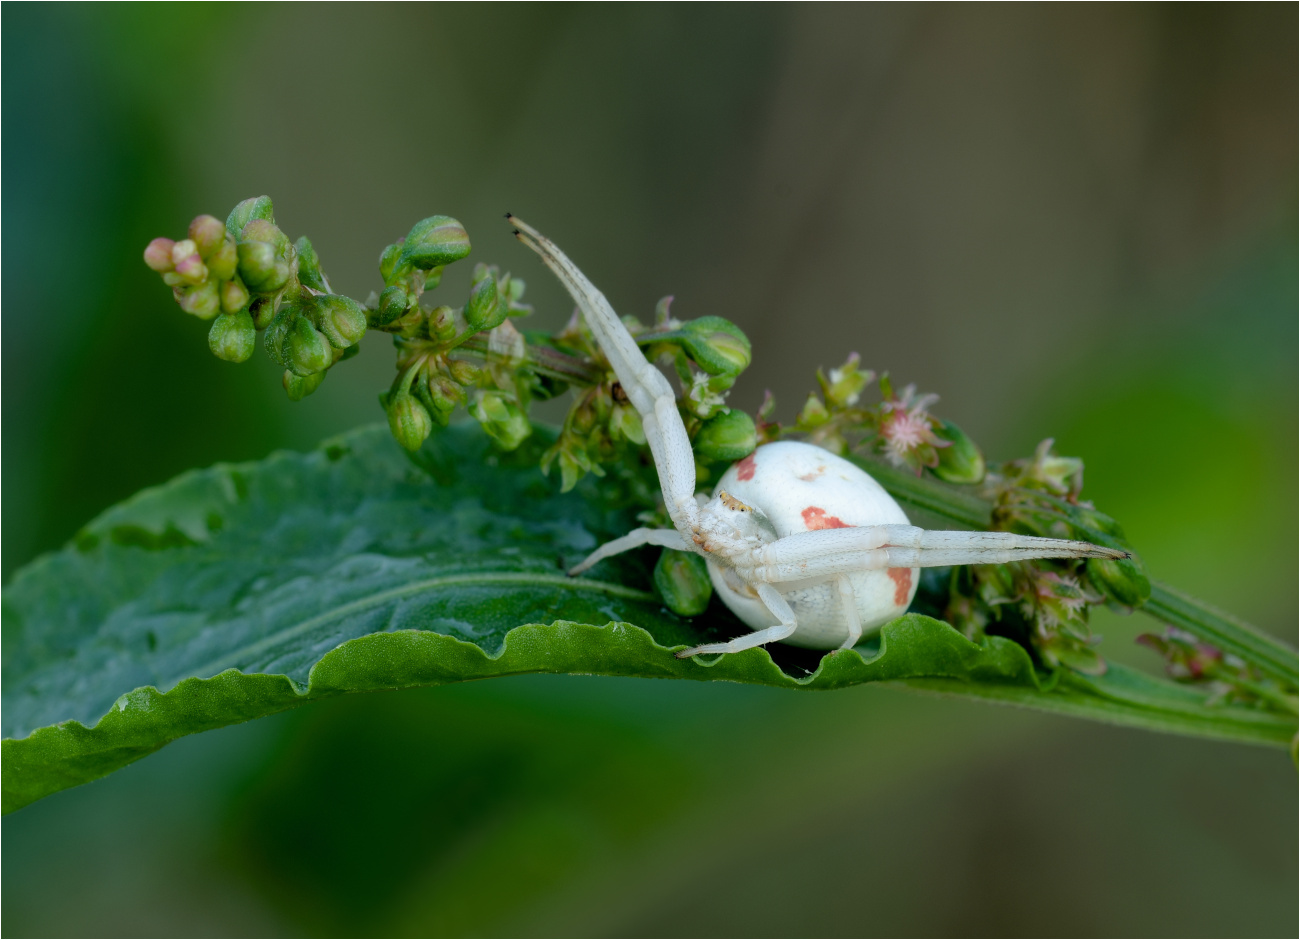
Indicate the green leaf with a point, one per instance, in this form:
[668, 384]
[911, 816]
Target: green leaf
[239, 591]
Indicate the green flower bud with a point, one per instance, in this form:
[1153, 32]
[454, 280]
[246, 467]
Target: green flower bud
[158, 255]
[501, 419]
[299, 387]
[434, 242]
[1124, 582]
[442, 323]
[258, 207]
[263, 311]
[261, 270]
[207, 233]
[306, 349]
[389, 260]
[408, 420]
[727, 436]
[341, 319]
[232, 336]
[260, 230]
[224, 261]
[718, 346]
[682, 579]
[392, 304]
[961, 461]
[444, 394]
[309, 272]
[625, 424]
[484, 311]
[276, 338]
[203, 301]
[234, 296]
[465, 373]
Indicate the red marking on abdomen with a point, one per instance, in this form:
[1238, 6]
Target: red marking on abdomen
[902, 578]
[745, 469]
[814, 517]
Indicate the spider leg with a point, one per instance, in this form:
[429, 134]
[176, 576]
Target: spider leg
[849, 603]
[829, 552]
[779, 608]
[646, 387]
[668, 538]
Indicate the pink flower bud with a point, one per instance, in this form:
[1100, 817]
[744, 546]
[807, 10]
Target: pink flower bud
[207, 233]
[158, 254]
[192, 269]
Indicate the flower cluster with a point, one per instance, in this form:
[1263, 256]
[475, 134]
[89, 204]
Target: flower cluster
[248, 277]
[1228, 678]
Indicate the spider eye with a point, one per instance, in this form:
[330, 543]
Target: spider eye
[732, 503]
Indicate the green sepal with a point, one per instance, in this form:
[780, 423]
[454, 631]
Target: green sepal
[309, 272]
[299, 387]
[682, 579]
[392, 305]
[484, 311]
[1124, 582]
[306, 350]
[407, 419]
[257, 207]
[275, 339]
[961, 461]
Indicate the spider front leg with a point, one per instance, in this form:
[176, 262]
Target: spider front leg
[774, 602]
[645, 386]
[668, 538]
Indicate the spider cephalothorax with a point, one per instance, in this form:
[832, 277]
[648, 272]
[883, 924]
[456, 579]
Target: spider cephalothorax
[805, 547]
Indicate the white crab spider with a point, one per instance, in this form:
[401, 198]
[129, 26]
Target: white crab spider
[802, 545]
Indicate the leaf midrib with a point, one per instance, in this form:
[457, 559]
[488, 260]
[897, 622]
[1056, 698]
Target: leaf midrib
[212, 668]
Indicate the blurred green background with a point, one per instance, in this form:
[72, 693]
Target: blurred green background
[1069, 221]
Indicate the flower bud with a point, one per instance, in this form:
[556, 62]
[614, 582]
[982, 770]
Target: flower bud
[843, 387]
[341, 319]
[223, 262]
[203, 301]
[258, 207]
[961, 462]
[434, 242]
[309, 272]
[261, 230]
[682, 579]
[501, 419]
[261, 270]
[299, 387]
[276, 337]
[232, 336]
[813, 414]
[625, 423]
[718, 346]
[158, 255]
[408, 420]
[392, 304]
[306, 349]
[189, 266]
[465, 373]
[234, 297]
[727, 436]
[444, 394]
[263, 311]
[484, 311]
[1122, 581]
[207, 233]
[442, 323]
[389, 259]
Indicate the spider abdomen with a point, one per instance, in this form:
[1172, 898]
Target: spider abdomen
[801, 488]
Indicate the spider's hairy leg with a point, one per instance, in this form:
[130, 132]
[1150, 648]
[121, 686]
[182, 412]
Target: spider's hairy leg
[826, 553]
[779, 608]
[849, 604]
[646, 387]
[668, 538]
